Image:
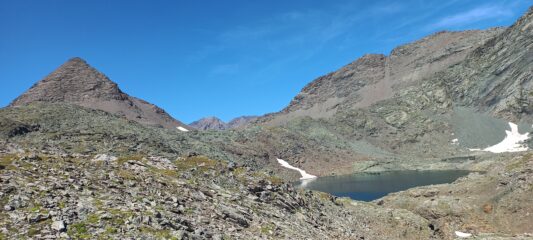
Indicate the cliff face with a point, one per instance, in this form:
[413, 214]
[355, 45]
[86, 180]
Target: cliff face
[76, 82]
[497, 76]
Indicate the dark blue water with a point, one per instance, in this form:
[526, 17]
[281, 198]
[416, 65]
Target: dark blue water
[371, 186]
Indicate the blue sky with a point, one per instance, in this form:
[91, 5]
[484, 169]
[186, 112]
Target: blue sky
[221, 58]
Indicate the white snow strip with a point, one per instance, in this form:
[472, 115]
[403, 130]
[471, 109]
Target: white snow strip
[513, 142]
[182, 129]
[455, 141]
[304, 182]
[462, 234]
[304, 174]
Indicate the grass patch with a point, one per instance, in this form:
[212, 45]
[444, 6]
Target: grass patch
[121, 160]
[119, 216]
[160, 234]
[268, 228]
[324, 196]
[275, 180]
[78, 231]
[7, 160]
[93, 219]
[200, 162]
[239, 171]
[125, 174]
[98, 203]
[519, 162]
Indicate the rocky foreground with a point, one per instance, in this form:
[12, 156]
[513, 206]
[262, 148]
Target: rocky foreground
[140, 197]
[490, 204]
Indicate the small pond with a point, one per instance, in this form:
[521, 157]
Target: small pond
[371, 186]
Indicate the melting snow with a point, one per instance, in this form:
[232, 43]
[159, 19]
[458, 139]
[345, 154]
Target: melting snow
[462, 234]
[182, 129]
[455, 141]
[304, 174]
[513, 142]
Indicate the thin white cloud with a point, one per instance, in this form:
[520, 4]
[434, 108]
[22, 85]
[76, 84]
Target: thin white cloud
[474, 15]
[226, 69]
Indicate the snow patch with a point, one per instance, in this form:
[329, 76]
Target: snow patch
[182, 129]
[304, 174]
[513, 142]
[462, 234]
[455, 141]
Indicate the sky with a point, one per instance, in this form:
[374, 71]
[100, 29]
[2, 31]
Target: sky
[220, 58]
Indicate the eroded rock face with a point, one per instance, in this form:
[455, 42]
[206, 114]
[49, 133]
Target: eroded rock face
[497, 76]
[78, 83]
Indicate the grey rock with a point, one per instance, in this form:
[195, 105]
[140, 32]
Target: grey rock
[9, 208]
[59, 226]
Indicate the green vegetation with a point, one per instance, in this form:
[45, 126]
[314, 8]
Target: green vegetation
[519, 162]
[7, 160]
[268, 228]
[93, 218]
[200, 162]
[78, 231]
[121, 160]
[160, 234]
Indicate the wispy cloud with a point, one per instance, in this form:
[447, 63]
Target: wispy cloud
[472, 16]
[225, 69]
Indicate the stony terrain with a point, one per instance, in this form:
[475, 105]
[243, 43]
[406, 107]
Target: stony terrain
[138, 197]
[496, 200]
[76, 82]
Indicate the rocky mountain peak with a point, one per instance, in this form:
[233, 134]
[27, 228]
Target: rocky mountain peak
[214, 123]
[209, 123]
[73, 81]
[77, 82]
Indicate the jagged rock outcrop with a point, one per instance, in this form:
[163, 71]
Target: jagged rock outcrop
[76, 82]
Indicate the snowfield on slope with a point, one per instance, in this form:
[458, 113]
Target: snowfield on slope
[182, 129]
[513, 142]
[304, 174]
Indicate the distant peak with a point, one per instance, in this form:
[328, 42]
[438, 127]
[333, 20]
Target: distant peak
[76, 60]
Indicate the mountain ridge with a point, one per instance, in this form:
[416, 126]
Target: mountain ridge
[214, 123]
[376, 77]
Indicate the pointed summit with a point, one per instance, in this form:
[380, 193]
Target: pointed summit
[76, 82]
[209, 123]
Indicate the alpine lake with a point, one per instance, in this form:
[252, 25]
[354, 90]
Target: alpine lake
[371, 186]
